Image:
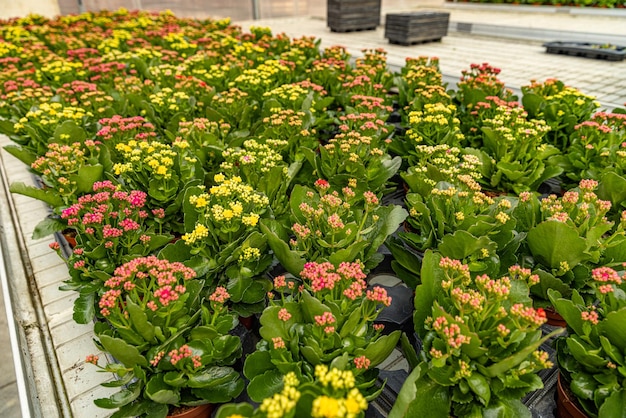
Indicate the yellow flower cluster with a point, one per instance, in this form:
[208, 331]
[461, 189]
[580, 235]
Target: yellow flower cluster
[57, 68]
[199, 232]
[114, 41]
[230, 204]
[329, 407]
[289, 92]
[155, 156]
[168, 98]
[262, 76]
[250, 253]
[9, 49]
[338, 379]
[434, 113]
[254, 154]
[283, 402]
[168, 70]
[178, 42]
[51, 114]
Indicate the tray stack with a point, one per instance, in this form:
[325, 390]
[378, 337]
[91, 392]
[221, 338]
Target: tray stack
[353, 15]
[416, 27]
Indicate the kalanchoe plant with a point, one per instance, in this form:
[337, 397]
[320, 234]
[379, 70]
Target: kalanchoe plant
[263, 168]
[224, 239]
[435, 124]
[561, 106]
[331, 227]
[417, 77]
[352, 156]
[163, 171]
[515, 158]
[172, 347]
[207, 139]
[479, 82]
[66, 171]
[294, 129]
[118, 129]
[460, 222]
[429, 165]
[481, 338]
[572, 237]
[48, 120]
[325, 317]
[112, 227]
[591, 357]
[332, 393]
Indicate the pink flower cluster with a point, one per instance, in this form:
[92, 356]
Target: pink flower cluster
[362, 362]
[378, 295]
[220, 295]
[135, 127]
[183, 352]
[323, 276]
[147, 280]
[528, 313]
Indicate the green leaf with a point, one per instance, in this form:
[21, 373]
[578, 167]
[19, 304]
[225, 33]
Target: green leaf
[84, 308]
[480, 386]
[312, 307]
[48, 196]
[24, 155]
[409, 351]
[613, 328]
[533, 104]
[75, 133]
[290, 260]
[265, 385]
[224, 392]
[379, 350]
[161, 392]
[462, 244]
[139, 320]
[227, 410]
[552, 242]
[612, 187]
[257, 363]
[87, 176]
[568, 310]
[127, 354]
[212, 376]
[548, 282]
[176, 379]
[614, 406]
[508, 363]
[421, 397]
[425, 293]
[583, 385]
[48, 226]
[121, 398]
[507, 408]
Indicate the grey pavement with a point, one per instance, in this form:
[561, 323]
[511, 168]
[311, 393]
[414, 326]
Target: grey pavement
[53, 346]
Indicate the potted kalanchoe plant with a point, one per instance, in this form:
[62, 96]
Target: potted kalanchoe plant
[481, 341]
[171, 346]
[112, 227]
[324, 317]
[591, 357]
[224, 240]
[570, 237]
[329, 226]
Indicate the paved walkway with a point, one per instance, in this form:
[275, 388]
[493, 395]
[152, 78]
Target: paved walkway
[54, 347]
